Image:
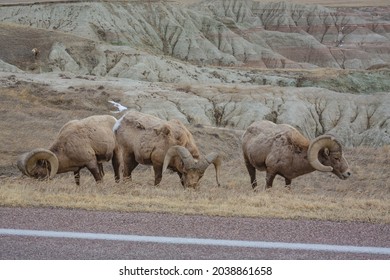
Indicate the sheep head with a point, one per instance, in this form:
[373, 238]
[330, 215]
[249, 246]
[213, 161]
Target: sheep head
[38, 163]
[325, 154]
[192, 170]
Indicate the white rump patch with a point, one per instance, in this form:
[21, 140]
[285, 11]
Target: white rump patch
[120, 107]
[117, 124]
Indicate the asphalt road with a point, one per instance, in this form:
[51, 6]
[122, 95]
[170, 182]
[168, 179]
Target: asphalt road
[78, 234]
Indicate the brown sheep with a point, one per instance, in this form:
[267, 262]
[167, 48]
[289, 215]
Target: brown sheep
[80, 143]
[279, 149]
[145, 139]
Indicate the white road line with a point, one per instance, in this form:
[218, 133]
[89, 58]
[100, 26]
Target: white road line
[198, 241]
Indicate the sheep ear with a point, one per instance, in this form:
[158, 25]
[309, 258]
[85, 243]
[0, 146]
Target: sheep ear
[164, 129]
[139, 125]
[326, 152]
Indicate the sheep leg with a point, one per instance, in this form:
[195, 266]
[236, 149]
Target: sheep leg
[129, 164]
[115, 165]
[77, 177]
[269, 179]
[101, 171]
[252, 174]
[157, 174]
[288, 183]
[181, 178]
[95, 171]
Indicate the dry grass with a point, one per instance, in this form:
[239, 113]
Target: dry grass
[365, 197]
[40, 112]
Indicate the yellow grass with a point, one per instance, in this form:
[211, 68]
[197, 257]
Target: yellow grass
[365, 197]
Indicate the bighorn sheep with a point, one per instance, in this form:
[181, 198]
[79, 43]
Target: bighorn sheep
[145, 139]
[80, 143]
[35, 52]
[282, 150]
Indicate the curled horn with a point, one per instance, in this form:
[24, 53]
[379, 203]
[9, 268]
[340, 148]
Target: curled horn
[28, 161]
[215, 159]
[321, 142]
[183, 153]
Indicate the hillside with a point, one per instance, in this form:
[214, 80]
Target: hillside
[220, 63]
[224, 33]
[289, 48]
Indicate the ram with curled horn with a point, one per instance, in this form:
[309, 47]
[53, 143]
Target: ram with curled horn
[146, 139]
[80, 143]
[189, 169]
[280, 149]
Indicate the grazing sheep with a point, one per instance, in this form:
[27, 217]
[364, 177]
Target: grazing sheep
[145, 139]
[279, 149]
[80, 143]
